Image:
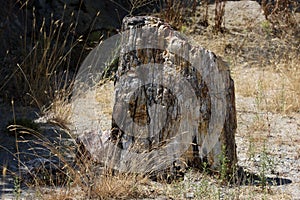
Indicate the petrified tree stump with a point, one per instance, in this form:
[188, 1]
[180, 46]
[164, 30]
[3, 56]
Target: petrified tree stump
[172, 98]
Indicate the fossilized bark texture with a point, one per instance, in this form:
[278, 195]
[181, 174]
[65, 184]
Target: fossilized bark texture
[169, 91]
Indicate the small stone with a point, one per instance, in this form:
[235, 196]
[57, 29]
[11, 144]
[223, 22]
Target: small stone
[189, 195]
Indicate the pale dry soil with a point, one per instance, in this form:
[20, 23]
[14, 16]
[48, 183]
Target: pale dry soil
[266, 71]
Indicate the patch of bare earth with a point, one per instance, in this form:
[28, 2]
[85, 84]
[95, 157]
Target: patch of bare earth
[266, 71]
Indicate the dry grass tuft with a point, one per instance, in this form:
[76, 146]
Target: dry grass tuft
[120, 186]
[59, 111]
[103, 186]
[219, 15]
[175, 12]
[281, 14]
[41, 70]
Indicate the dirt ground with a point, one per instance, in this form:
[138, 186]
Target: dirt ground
[268, 124]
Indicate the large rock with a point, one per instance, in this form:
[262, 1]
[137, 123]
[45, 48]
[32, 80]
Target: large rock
[173, 99]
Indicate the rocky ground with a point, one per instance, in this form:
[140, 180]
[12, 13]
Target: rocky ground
[268, 134]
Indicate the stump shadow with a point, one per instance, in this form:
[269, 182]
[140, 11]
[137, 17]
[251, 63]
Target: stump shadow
[244, 177]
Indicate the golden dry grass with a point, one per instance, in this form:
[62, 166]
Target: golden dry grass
[106, 186]
[273, 78]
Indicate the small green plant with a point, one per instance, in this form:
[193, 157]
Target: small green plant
[260, 95]
[183, 29]
[251, 152]
[202, 188]
[223, 171]
[17, 187]
[266, 165]
[266, 27]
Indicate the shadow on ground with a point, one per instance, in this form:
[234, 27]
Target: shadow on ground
[248, 178]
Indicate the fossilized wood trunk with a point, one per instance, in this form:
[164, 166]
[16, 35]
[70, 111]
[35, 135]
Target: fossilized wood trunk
[173, 96]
